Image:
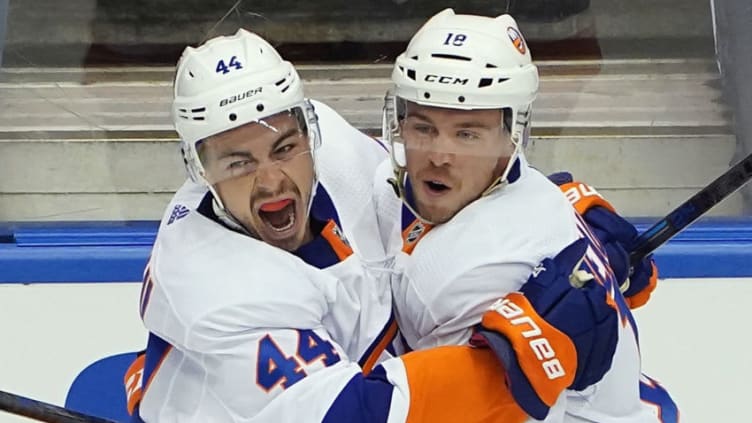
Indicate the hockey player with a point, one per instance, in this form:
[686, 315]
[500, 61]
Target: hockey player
[475, 219]
[257, 306]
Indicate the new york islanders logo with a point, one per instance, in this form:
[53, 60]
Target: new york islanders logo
[517, 41]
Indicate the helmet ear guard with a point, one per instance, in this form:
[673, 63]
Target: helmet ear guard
[393, 113]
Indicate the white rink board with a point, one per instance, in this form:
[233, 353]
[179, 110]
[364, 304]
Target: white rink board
[693, 333]
[53, 331]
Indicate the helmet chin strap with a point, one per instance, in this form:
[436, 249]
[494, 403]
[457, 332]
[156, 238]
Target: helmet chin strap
[225, 216]
[398, 184]
[503, 179]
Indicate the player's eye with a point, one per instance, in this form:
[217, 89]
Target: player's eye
[423, 129]
[467, 136]
[284, 149]
[239, 165]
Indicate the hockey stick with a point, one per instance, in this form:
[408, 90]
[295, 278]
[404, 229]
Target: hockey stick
[43, 411]
[690, 210]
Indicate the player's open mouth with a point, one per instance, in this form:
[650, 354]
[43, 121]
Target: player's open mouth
[279, 216]
[436, 187]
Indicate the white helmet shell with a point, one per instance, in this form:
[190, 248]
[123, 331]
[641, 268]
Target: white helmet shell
[463, 62]
[228, 82]
[467, 62]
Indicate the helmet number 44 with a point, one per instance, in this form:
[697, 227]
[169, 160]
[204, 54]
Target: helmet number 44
[225, 67]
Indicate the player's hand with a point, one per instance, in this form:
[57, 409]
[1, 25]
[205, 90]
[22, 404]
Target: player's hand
[617, 236]
[551, 336]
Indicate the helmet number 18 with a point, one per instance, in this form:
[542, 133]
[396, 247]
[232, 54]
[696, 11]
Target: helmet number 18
[455, 39]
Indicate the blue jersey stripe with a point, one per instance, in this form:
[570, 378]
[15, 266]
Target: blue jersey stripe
[363, 400]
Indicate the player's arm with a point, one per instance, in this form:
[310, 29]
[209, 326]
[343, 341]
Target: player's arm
[559, 332]
[617, 236]
[220, 374]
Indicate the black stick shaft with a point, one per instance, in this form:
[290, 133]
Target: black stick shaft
[43, 411]
[690, 210]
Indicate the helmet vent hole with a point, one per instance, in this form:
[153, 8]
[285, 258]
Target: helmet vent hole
[491, 66]
[484, 82]
[451, 57]
[427, 95]
[260, 107]
[191, 74]
[461, 99]
[280, 82]
[414, 57]
[411, 74]
[503, 80]
[286, 88]
[196, 110]
[233, 117]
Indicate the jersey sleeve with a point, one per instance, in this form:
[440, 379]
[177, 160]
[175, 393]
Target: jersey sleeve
[219, 366]
[446, 314]
[222, 370]
[447, 384]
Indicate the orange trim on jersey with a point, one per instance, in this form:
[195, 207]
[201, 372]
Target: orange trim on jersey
[546, 355]
[156, 368]
[133, 380]
[333, 235]
[583, 197]
[412, 234]
[389, 335]
[639, 299]
[458, 384]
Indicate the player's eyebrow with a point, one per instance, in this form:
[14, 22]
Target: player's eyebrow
[247, 155]
[233, 153]
[419, 115]
[285, 135]
[474, 124]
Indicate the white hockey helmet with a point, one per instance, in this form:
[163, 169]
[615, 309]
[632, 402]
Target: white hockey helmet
[463, 62]
[230, 81]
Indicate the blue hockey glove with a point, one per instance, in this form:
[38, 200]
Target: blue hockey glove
[551, 336]
[617, 237]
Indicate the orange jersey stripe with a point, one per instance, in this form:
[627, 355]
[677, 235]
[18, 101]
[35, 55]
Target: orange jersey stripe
[133, 382]
[453, 384]
[389, 335]
[334, 237]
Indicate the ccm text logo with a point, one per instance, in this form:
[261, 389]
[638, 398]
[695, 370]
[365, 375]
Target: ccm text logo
[442, 79]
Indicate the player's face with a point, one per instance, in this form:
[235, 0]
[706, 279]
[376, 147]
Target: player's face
[452, 156]
[263, 172]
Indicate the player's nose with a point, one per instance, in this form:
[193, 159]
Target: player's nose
[269, 177]
[440, 154]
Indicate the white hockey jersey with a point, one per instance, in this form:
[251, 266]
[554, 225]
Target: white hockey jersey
[244, 332]
[451, 273]
[217, 300]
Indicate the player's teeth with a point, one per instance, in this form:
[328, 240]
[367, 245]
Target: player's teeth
[289, 224]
